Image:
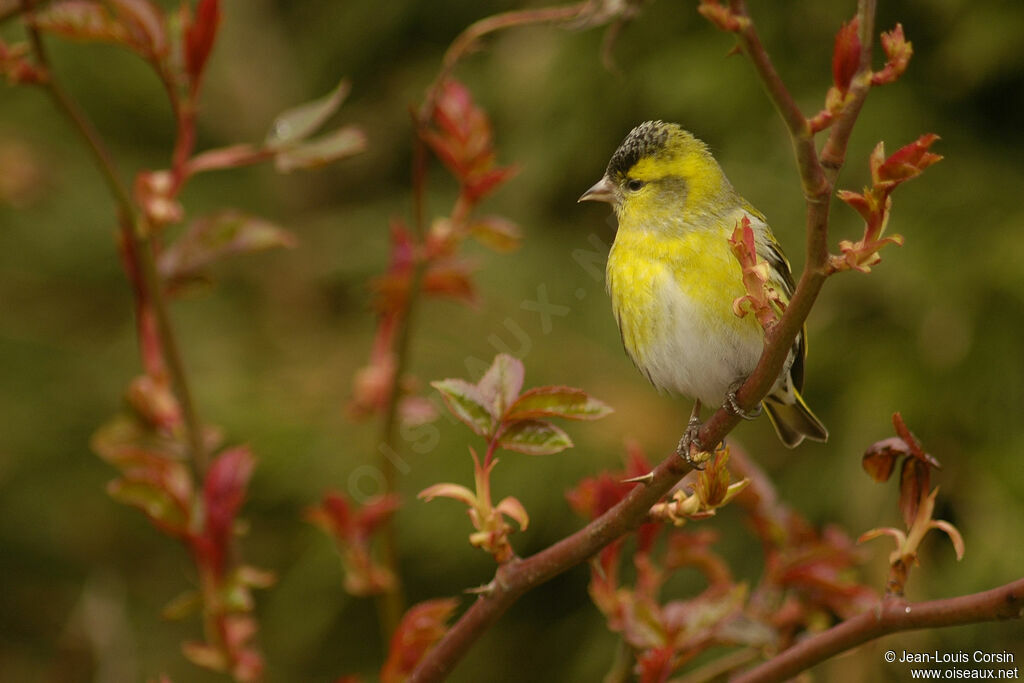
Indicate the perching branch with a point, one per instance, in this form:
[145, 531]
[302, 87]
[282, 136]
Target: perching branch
[517, 577]
[891, 616]
[818, 177]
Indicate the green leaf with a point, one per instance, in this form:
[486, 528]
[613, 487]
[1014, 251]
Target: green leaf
[338, 144]
[206, 656]
[213, 237]
[466, 403]
[185, 605]
[300, 122]
[555, 401]
[500, 234]
[152, 499]
[534, 437]
[125, 442]
[502, 382]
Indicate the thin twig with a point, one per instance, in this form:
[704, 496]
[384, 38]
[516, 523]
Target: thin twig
[892, 616]
[135, 232]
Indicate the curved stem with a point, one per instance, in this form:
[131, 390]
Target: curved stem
[136, 233]
[891, 616]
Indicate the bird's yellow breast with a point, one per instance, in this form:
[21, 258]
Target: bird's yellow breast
[672, 295]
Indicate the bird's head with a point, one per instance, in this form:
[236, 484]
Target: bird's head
[662, 175]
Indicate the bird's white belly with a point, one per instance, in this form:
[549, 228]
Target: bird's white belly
[694, 347]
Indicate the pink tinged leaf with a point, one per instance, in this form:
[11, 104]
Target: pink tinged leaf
[451, 278]
[206, 656]
[466, 402]
[954, 536]
[501, 384]
[859, 203]
[846, 55]
[914, 485]
[210, 238]
[82, 20]
[421, 627]
[534, 437]
[476, 186]
[153, 499]
[898, 51]
[455, 491]
[316, 152]
[298, 123]
[513, 509]
[146, 22]
[498, 233]
[557, 401]
[200, 34]
[416, 410]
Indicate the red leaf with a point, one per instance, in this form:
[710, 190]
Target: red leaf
[907, 162]
[880, 457]
[210, 238]
[898, 51]
[461, 138]
[450, 278]
[16, 68]
[421, 627]
[594, 496]
[846, 55]
[223, 493]
[477, 186]
[915, 479]
[913, 443]
[200, 34]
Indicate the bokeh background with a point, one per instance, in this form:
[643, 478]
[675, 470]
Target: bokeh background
[934, 332]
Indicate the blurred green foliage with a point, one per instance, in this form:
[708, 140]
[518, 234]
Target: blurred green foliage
[935, 331]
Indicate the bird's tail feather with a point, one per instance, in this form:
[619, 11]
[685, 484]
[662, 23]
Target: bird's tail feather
[793, 421]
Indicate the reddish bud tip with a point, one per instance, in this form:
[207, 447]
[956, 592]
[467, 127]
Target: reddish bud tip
[846, 55]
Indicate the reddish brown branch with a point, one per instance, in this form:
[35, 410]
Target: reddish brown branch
[818, 177]
[892, 616]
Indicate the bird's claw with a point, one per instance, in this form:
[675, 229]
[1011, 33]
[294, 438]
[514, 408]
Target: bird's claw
[732, 406]
[690, 448]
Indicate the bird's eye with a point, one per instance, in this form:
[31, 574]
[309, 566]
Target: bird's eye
[633, 184]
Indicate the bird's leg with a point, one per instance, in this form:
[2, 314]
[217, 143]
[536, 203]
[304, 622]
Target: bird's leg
[732, 404]
[690, 448]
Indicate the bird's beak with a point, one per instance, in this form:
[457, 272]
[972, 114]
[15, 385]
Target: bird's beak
[602, 191]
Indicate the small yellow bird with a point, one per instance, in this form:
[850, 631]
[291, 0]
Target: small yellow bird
[673, 278]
